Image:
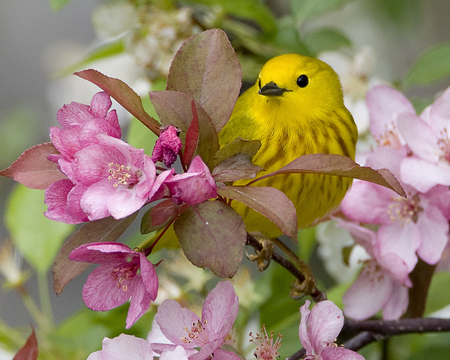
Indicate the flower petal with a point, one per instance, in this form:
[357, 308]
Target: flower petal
[369, 293]
[338, 353]
[172, 318]
[433, 227]
[397, 304]
[324, 324]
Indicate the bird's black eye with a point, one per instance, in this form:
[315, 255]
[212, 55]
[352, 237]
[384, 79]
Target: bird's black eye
[302, 81]
[259, 83]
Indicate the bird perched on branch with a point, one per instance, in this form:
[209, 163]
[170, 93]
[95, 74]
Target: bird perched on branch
[295, 108]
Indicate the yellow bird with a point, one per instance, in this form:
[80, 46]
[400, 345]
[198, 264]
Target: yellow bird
[295, 108]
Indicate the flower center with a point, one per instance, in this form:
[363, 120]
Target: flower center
[444, 144]
[122, 175]
[390, 137]
[405, 210]
[196, 332]
[124, 274]
[266, 348]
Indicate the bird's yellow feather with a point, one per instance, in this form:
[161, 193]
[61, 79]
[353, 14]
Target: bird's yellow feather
[295, 108]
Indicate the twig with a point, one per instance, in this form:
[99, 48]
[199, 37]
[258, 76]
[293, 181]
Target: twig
[316, 294]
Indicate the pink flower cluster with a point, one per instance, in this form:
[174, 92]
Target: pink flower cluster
[108, 177]
[415, 149]
[179, 334]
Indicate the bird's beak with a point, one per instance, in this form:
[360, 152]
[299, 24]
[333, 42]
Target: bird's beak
[272, 89]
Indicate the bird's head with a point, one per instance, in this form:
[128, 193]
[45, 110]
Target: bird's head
[304, 82]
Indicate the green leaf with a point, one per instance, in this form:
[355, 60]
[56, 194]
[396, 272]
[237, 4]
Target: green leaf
[439, 292]
[432, 66]
[103, 230]
[37, 237]
[307, 9]
[249, 9]
[325, 39]
[57, 5]
[102, 52]
[212, 235]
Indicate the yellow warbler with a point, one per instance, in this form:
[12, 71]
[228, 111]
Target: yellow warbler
[295, 108]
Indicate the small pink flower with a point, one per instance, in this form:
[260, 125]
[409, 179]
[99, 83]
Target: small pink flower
[109, 178]
[117, 279]
[167, 146]
[123, 347]
[385, 105]
[428, 136]
[319, 329]
[194, 186]
[81, 123]
[184, 328]
[413, 226]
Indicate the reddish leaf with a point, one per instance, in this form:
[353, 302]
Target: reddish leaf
[237, 146]
[174, 108]
[212, 235]
[104, 230]
[192, 137]
[123, 94]
[235, 168]
[32, 168]
[159, 216]
[30, 350]
[207, 68]
[269, 202]
[331, 164]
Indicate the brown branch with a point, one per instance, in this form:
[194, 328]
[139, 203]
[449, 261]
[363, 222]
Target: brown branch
[316, 294]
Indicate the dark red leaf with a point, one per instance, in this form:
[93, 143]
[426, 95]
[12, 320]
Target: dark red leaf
[212, 235]
[235, 168]
[269, 202]
[331, 164]
[192, 137]
[104, 230]
[32, 168]
[207, 68]
[123, 94]
[30, 350]
[159, 216]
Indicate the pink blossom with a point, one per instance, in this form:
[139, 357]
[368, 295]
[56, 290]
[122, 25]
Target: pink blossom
[81, 123]
[194, 186]
[167, 146]
[385, 105]
[428, 137]
[123, 347]
[409, 227]
[184, 328]
[382, 284]
[319, 329]
[110, 178]
[117, 279]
